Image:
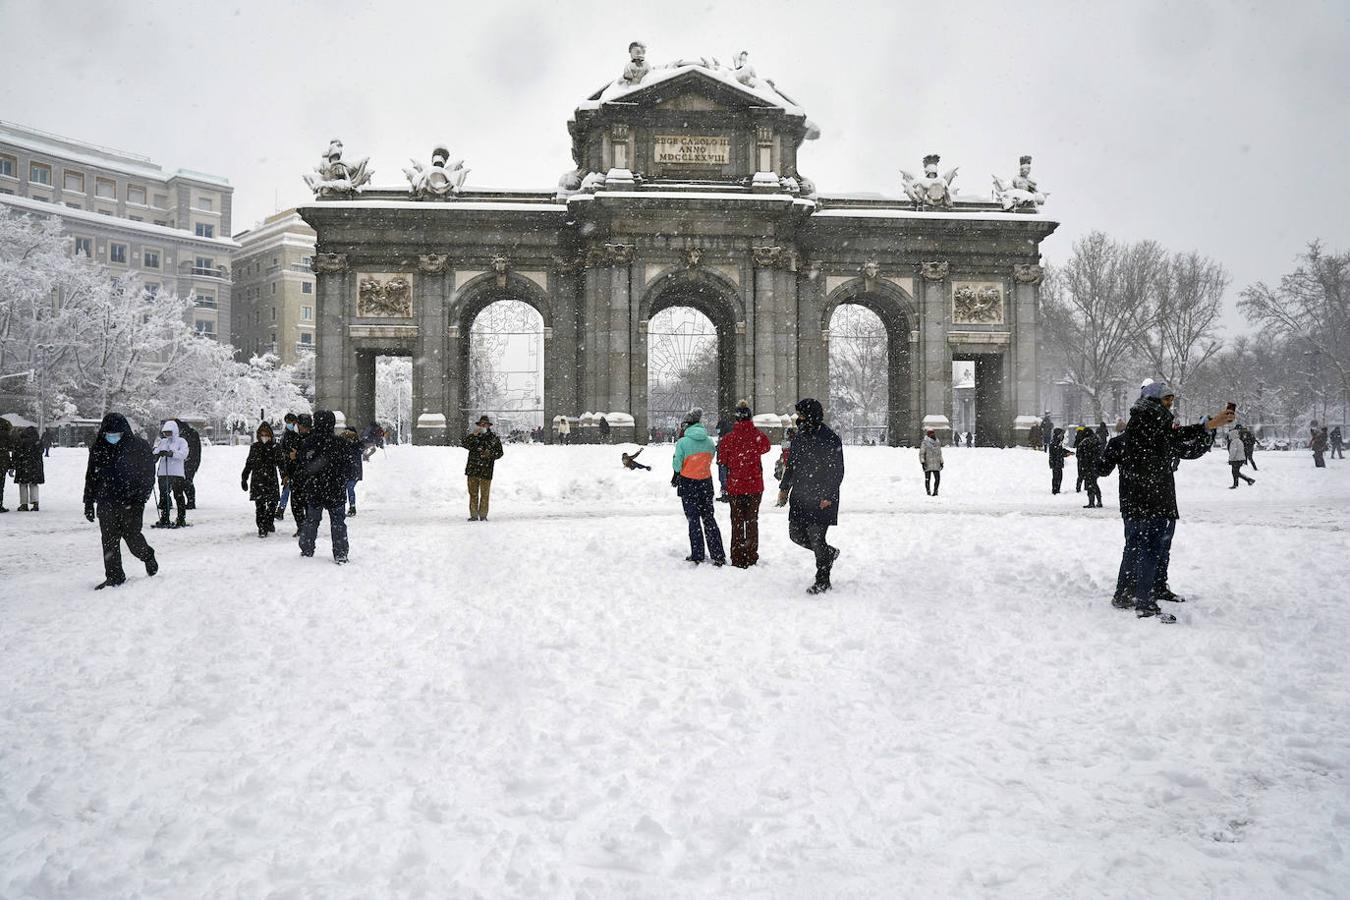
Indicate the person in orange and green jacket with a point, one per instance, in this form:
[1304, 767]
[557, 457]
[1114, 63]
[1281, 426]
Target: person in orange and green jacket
[692, 464]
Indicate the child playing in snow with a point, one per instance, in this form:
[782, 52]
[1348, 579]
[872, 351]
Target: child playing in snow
[630, 462]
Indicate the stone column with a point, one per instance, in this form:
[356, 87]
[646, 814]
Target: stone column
[561, 387]
[935, 357]
[813, 348]
[431, 361]
[1024, 393]
[606, 324]
[334, 358]
[773, 337]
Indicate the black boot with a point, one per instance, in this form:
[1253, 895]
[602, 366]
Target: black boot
[110, 582]
[34, 507]
[820, 587]
[1152, 610]
[181, 521]
[1166, 594]
[351, 510]
[1122, 601]
[163, 519]
[151, 566]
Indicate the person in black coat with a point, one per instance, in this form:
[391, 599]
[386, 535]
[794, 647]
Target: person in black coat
[291, 476]
[358, 468]
[484, 449]
[1088, 451]
[811, 480]
[325, 466]
[1057, 455]
[117, 483]
[263, 464]
[1145, 454]
[193, 461]
[26, 461]
[6, 434]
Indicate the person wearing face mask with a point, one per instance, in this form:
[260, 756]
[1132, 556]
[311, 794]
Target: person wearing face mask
[171, 451]
[485, 448]
[263, 465]
[117, 483]
[290, 440]
[292, 472]
[811, 480]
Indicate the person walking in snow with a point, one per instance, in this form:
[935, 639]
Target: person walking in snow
[724, 427]
[264, 465]
[6, 457]
[1047, 430]
[692, 464]
[1318, 442]
[970, 439]
[1237, 455]
[358, 469]
[485, 448]
[290, 440]
[171, 451]
[118, 481]
[1034, 438]
[1337, 443]
[26, 462]
[293, 472]
[564, 430]
[741, 452]
[1248, 445]
[325, 466]
[1103, 434]
[630, 461]
[1144, 454]
[1057, 455]
[930, 458]
[1088, 453]
[603, 427]
[193, 461]
[811, 481]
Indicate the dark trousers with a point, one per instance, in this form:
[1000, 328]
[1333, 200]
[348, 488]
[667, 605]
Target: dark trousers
[1094, 490]
[1336, 451]
[117, 524]
[1318, 461]
[264, 511]
[745, 529]
[935, 477]
[2, 487]
[337, 525]
[174, 484]
[1056, 479]
[298, 507]
[1147, 557]
[722, 472]
[1236, 465]
[811, 535]
[1251, 461]
[696, 496]
[189, 488]
[1078, 483]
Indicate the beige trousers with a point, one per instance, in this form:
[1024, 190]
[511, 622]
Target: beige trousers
[479, 491]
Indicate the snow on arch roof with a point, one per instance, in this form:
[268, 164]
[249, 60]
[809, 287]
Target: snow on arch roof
[763, 93]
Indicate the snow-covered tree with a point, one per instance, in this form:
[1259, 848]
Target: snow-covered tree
[859, 377]
[393, 395]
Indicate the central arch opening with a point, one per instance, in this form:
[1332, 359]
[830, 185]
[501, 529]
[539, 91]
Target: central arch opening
[682, 368]
[506, 367]
[859, 375]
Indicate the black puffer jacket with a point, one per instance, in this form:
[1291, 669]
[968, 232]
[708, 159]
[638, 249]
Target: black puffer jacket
[194, 442]
[26, 457]
[325, 464]
[815, 469]
[121, 474]
[1088, 450]
[262, 465]
[1145, 454]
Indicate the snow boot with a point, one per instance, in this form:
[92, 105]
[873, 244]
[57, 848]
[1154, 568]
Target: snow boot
[151, 566]
[1122, 601]
[4, 509]
[109, 583]
[35, 506]
[163, 519]
[351, 511]
[23, 507]
[1166, 594]
[340, 560]
[181, 521]
[280, 514]
[1151, 610]
[262, 532]
[692, 560]
[819, 587]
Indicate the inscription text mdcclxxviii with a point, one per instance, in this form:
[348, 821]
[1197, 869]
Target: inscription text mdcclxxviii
[693, 149]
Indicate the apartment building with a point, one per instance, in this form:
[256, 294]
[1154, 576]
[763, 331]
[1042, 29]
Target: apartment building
[126, 212]
[274, 304]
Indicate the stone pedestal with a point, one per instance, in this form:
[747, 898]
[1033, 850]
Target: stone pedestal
[940, 426]
[1021, 430]
[430, 430]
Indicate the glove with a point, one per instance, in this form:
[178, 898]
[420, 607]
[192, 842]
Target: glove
[243, 483]
[89, 511]
[675, 480]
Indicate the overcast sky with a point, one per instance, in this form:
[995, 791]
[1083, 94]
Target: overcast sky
[1218, 127]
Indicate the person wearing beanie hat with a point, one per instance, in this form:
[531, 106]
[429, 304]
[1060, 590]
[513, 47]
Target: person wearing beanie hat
[811, 480]
[930, 458]
[1145, 455]
[692, 478]
[741, 453]
[1058, 453]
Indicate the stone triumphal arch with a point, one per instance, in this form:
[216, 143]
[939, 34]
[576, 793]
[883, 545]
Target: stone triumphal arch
[686, 191]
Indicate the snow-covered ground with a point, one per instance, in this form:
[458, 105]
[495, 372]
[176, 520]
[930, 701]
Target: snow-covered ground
[555, 704]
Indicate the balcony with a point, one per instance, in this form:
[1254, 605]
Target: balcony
[219, 273]
[302, 347]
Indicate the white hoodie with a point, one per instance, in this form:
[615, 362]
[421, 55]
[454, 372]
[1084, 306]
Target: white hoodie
[177, 447]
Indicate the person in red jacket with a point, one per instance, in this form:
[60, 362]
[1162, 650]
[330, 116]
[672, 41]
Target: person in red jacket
[740, 452]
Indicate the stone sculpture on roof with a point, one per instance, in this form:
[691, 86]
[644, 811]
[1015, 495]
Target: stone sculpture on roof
[932, 191]
[335, 178]
[438, 180]
[637, 67]
[1020, 192]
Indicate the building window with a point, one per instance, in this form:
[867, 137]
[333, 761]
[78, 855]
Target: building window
[276, 260]
[151, 258]
[274, 314]
[274, 289]
[206, 203]
[307, 287]
[274, 339]
[307, 313]
[161, 201]
[162, 222]
[136, 194]
[84, 245]
[257, 316]
[306, 337]
[307, 262]
[5, 191]
[40, 197]
[73, 182]
[105, 212]
[205, 265]
[204, 230]
[117, 253]
[106, 188]
[152, 288]
[8, 165]
[74, 205]
[206, 327]
[207, 300]
[135, 218]
[40, 173]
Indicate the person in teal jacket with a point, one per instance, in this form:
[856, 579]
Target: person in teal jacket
[692, 464]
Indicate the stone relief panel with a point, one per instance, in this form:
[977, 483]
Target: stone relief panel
[384, 295]
[977, 303]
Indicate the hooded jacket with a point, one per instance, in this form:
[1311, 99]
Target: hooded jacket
[930, 455]
[194, 445]
[1144, 454]
[121, 474]
[26, 457]
[175, 446]
[740, 452]
[1088, 450]
[1237, 447]
[325, 464]
[1058, 452]
[694, 453]
[263, 464]
[815, 468]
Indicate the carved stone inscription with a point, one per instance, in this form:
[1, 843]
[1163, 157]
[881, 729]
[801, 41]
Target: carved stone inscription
[977, 303]
[384, 295]
[692, 149]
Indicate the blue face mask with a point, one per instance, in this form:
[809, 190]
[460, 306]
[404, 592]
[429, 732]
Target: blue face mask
[113, 437]
[290, 426]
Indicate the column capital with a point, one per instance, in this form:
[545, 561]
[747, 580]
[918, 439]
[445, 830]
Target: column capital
[939, 270]
[325, 263]
[1028, 273]
[433, 263]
